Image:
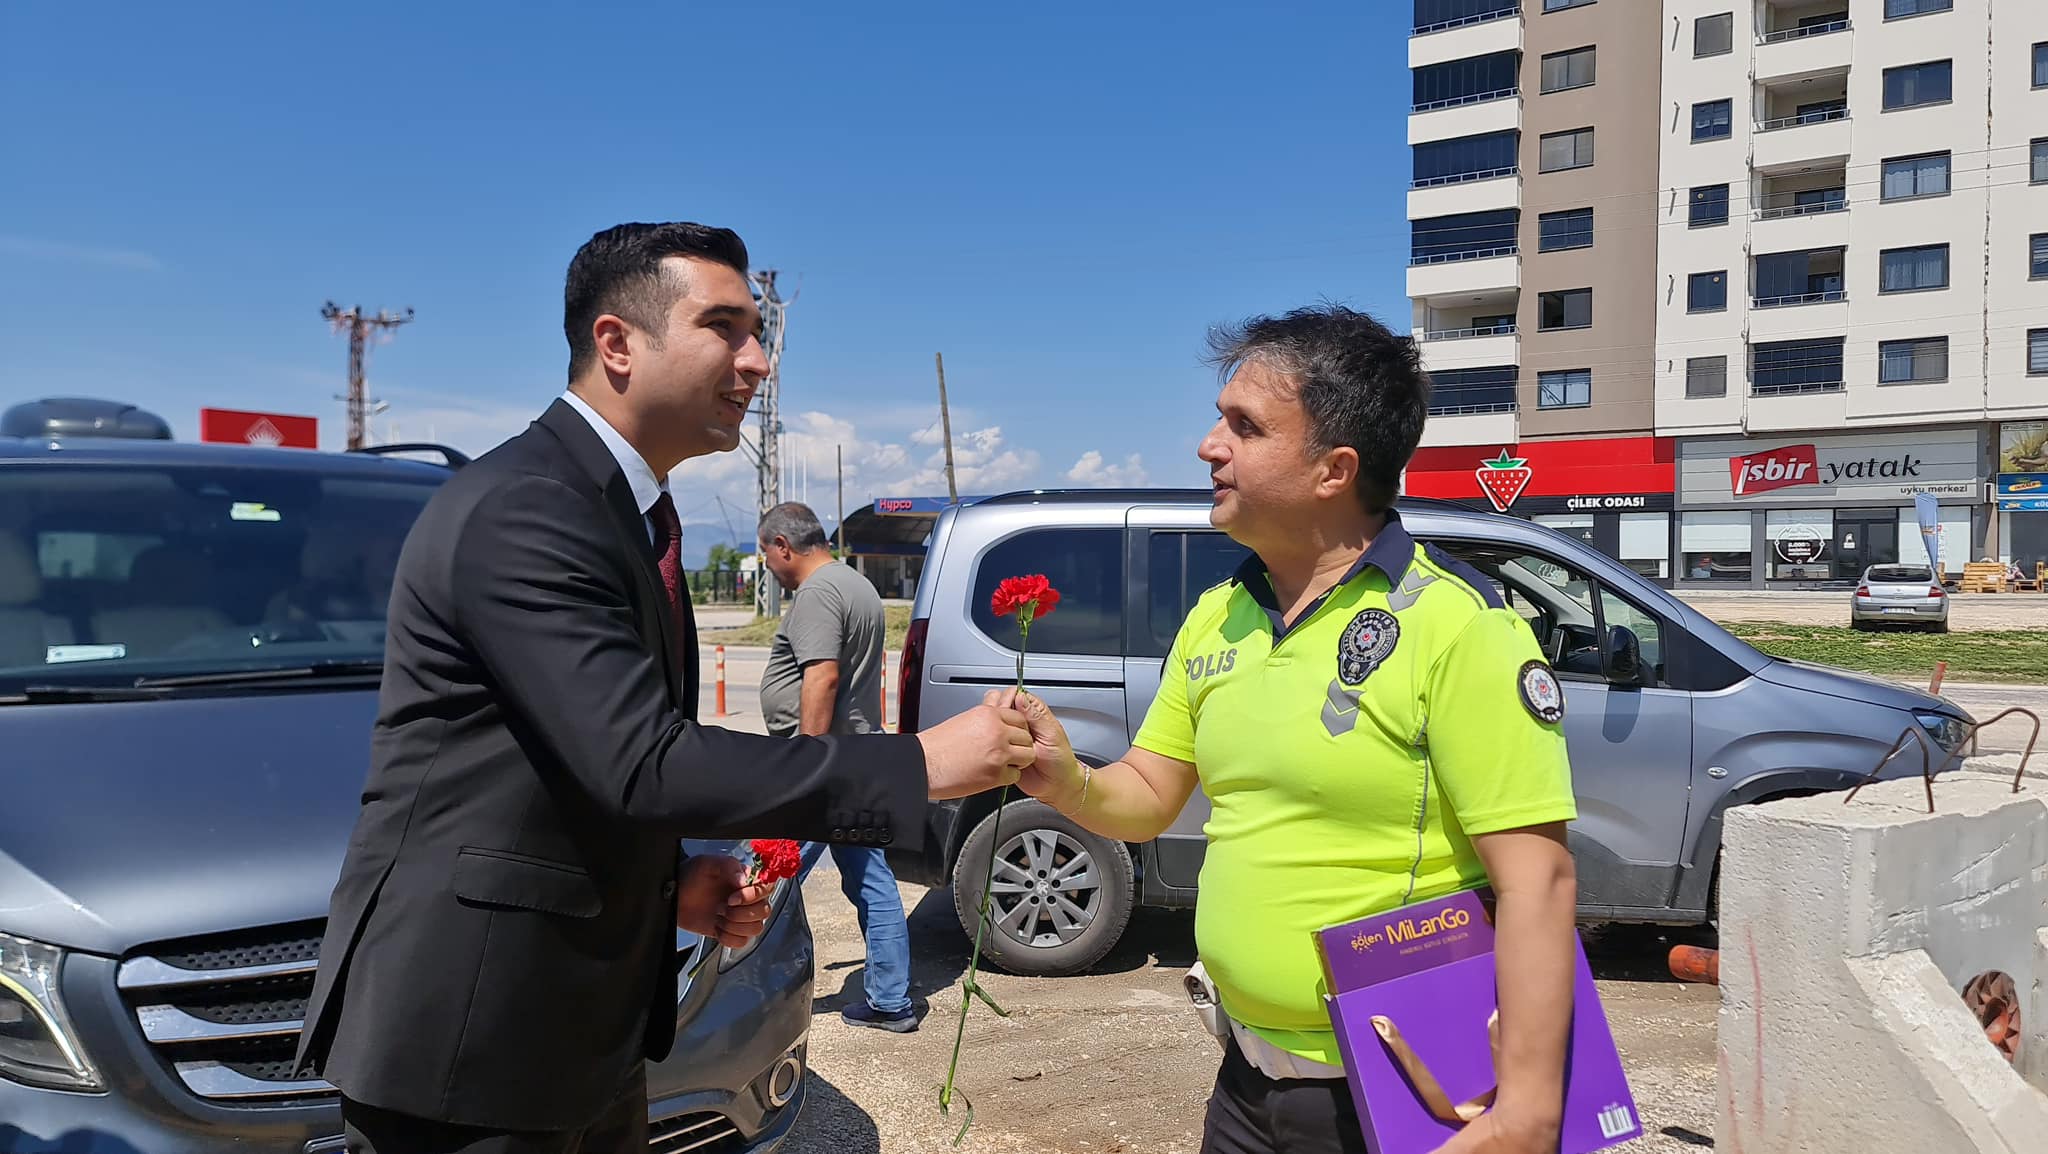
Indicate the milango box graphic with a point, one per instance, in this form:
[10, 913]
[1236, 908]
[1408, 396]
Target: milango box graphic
[1411, 996]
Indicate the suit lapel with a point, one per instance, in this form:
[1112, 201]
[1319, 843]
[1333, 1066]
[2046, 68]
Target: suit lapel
[650, 600]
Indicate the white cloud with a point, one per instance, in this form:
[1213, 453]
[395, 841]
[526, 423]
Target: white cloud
[65, 252]
[1091, 472]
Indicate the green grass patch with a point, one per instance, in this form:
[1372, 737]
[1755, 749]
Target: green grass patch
[761, 630]
[2013, 655]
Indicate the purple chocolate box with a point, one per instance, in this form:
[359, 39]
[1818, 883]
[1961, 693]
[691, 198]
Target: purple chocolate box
[1428, 968]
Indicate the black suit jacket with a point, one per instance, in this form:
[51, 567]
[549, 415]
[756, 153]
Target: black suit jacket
[500, 948]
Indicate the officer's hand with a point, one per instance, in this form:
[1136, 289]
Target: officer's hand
[977, 750]
[1054, 776]
[1496, 1133]
[712, 900]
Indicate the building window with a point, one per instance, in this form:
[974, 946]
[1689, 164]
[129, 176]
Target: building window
[1464, 236]
[1483, 390]
[1567, 389]
[1713, 120]
[1715, 546]
[1798, 541]
[2041, 64]
[1713, 35]
[1779, 367]
[1563, 150]
[1909, 177]
[2037, 256]
[1907, 270]
[1469, 81]
[1915, 85]
[2037, 352]
[1784, 279]
[1561, 5]
[1709, 205]
[1467, 158]
[1893, 9]
[1572, 228]
[1707, 292]
[1706, 377]
[1566, 70]
[2040, 161]
[1915, 362]
[1571, 309]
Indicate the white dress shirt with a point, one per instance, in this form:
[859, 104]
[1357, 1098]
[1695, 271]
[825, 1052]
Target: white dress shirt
[647, 488]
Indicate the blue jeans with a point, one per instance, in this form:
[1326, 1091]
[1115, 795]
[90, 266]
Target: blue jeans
[865, 878]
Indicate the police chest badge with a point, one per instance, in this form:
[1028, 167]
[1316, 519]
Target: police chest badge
[1542, 696]
[1367, 642]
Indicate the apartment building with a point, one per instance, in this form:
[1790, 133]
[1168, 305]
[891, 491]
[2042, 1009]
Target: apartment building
[1852, 282]
[1533, 214]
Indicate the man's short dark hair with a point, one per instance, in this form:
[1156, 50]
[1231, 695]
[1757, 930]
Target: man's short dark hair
[619, 272]
[794, 522]
[1361, 384]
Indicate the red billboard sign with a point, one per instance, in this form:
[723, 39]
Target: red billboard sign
[1779, 468]
[1593, 474]
[269, 430]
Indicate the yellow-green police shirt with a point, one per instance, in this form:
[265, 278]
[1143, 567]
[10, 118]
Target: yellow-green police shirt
[1348, 759]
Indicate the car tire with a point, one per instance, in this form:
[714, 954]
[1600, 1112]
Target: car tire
[1940, 627]
[1041, 844]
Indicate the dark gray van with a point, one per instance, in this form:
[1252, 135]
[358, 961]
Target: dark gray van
[191, 638]
[1671, 719]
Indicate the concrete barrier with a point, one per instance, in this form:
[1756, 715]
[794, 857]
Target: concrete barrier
[1848, 933]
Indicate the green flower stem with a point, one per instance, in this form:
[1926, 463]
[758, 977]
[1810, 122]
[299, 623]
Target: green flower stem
[971, 988]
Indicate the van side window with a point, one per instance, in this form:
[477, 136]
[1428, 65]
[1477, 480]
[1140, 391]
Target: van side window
[1182, 566]
[1085, 565]
[1558, 602]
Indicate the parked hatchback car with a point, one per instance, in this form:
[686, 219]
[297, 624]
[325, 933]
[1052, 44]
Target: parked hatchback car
[191, 638]
[1671, 719]
[1899, 595]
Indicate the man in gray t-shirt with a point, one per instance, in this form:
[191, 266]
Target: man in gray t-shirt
[824, 676]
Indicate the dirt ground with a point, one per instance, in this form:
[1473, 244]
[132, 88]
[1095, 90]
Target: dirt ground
[1115, 1061]
[1967, 612]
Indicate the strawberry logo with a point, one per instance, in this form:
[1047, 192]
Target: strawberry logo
[1503, 479]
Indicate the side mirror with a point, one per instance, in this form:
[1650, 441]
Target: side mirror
[1624, 656]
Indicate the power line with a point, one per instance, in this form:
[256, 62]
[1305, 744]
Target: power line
[359, 327]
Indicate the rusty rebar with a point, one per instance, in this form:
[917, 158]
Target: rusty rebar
[1926, 764]
[1928, 770]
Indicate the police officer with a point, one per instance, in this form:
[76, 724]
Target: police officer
[1372, 726]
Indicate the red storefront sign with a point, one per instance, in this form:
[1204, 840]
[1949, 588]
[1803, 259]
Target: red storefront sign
[1580, 471]
[235, 427]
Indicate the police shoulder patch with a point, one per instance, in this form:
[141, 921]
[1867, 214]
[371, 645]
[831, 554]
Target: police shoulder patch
[1366, 644]
[1541, 695]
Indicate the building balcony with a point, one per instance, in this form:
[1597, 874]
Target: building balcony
[1472, 192]
[1808, 209]
[1476, 115]
[1794, 411]
[1449, 349]
[1803, 39]
[1462, 37]
[1802, 121]
[1473, 272]
[1478, 425]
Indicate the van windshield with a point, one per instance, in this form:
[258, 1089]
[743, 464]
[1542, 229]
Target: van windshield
[110, 573]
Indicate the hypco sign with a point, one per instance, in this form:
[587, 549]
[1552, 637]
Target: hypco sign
[264, 430]
[1891, 466]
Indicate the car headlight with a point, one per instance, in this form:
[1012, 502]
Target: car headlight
[37, 1044]
[728, 957]
[1947, 733]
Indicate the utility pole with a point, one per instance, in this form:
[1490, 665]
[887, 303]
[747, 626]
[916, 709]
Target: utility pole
[839, 474]
[359, 327]
[768, 463]
[946, 421]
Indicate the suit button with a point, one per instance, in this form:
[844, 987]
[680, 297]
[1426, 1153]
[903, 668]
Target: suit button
[838, 834]
[887, 837]
[668, 891]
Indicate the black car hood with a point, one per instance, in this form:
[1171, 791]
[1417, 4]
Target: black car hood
[123, 823]
[1854, 686]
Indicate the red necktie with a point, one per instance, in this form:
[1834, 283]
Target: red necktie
[668, 536]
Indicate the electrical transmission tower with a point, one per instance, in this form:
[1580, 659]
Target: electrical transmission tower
[359, 327]
[768, 402]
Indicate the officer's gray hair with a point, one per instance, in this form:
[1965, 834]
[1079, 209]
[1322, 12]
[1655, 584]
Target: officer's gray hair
[794, 522]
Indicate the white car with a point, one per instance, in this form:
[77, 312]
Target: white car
[1899, 595]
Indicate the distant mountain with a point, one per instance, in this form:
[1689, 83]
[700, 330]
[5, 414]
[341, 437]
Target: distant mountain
[700, 536]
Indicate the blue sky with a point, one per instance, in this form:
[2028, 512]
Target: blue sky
[1061, 199]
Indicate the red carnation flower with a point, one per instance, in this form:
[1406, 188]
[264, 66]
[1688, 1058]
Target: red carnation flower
[1017, 594]
[774, 860]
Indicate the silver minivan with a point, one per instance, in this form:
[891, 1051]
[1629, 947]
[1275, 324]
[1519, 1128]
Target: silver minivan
[1671, 719]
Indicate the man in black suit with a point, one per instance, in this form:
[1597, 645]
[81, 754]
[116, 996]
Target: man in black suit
[500, 956]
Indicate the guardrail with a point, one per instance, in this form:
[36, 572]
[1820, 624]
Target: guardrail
[1795, 390]
[1466, 21]
[1468, 334]
[1466, 177]
[1462, 101]
[1471, 410]
[1471, 254]
[1784, 34]
[1802, 119]
[1818, 298]
[1782, 211]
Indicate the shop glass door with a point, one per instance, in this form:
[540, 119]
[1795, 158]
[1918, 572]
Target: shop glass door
[1865, 537]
